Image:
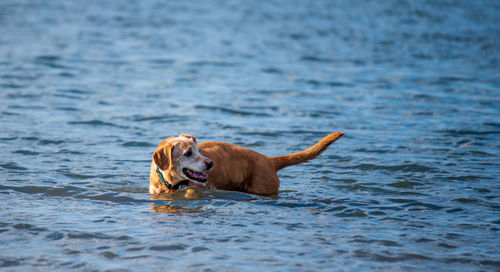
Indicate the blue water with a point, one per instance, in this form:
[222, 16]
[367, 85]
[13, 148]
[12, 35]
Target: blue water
[88, 89]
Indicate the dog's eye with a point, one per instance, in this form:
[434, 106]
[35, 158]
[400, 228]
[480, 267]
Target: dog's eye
[188, 153]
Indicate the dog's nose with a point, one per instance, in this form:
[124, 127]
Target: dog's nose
[209, 164]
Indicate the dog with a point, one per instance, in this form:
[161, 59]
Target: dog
[180, 162]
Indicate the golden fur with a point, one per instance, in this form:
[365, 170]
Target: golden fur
[223, 166]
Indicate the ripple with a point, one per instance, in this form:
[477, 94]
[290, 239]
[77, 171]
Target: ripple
[93, 123]
[404, 184]
[271, 70]
[138, 144]
[12, 166]
[54, 236]
[51, 142]
[109, 255]
[213, 63]
[199, 249]
[25, 226]
[75, 192]
[11, 261]
[13, 86]
[88, 235]
[328, 83]
[171, 247]
[50, 61]
[85, 176]
[162, 61]
[71, 109]
[157, 118]
[232, 111]
[316, 59]
[418, 206]
[26, 152]
[466, 178]
[400, 257]
[396, 168]
[351, 213]
[461, 132]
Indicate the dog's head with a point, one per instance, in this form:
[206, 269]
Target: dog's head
[179, 158]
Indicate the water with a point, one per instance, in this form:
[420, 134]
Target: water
[89, 88]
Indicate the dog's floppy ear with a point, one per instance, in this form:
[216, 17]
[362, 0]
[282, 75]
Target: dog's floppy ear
[163, 157]
[188, 136]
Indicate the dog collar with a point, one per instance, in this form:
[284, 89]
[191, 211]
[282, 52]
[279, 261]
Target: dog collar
[169, 186]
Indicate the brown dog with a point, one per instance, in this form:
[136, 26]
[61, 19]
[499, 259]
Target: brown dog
[180, 161]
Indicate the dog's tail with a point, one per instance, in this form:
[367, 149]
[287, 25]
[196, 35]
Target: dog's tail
[281, 162]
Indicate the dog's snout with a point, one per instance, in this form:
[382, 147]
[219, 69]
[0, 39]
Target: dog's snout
[209, 164]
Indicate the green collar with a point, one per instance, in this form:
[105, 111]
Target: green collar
[169, 186]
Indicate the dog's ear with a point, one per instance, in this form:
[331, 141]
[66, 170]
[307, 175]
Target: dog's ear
[188, 136]
[163, 157]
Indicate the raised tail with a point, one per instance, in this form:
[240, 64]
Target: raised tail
[281, 162]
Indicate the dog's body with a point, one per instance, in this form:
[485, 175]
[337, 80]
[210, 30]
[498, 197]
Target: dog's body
[180, 160]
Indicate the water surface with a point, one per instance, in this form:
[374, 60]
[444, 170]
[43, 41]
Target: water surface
[87, 91]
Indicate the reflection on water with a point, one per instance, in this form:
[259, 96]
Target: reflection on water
[166, 208]
[88, 91]
[180, 196]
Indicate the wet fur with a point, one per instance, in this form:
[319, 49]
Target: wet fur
[235, 167]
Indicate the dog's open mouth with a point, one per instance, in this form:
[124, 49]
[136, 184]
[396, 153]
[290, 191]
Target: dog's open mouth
[195, 176]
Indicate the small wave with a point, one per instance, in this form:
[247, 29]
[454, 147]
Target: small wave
[212, 63]
[50, 61]
[73, 91]
[399, 257]
[75, 192]
[379, 151]
[157, 118]
[271, 70]
[67, 108]
[233, 111]
[402, 167]
[93, 123]
[351, 213]
[11, 261]
[54, 236]
[113, 197]
[492, 124]
[464, 200]
[316, 59]
[26, 152]
[12, 86]
[466, 178]
[163, 61]
[328, 83]
[12, 166]
[84, 176]
[51, 142]
[90, 235]
[25, 226]
[137, 144]
[171, 247]
[419, 206]
[404, 184]
[458, 132]
[24, 95]
[66, 74]
[46, 58]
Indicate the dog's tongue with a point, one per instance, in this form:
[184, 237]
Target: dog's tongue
[198, 175]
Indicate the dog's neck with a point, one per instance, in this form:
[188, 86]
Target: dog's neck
[169, 186]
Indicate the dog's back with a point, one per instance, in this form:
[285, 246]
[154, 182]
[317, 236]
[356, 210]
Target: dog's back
[242, 169]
